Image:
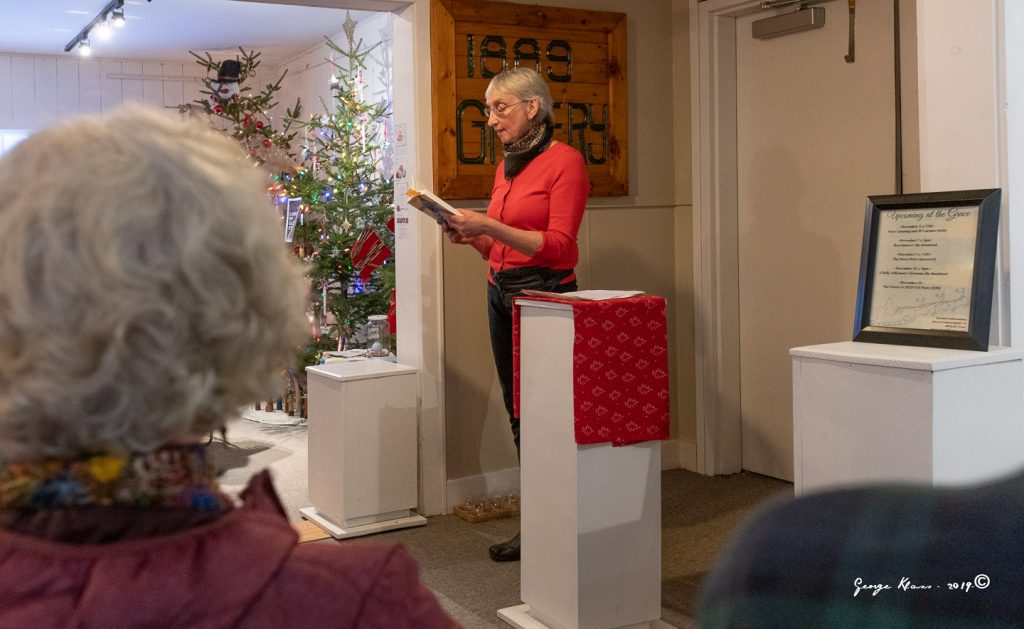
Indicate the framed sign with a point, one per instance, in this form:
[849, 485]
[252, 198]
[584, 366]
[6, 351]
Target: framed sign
[926, 269]
[582, 56]
[293, 209]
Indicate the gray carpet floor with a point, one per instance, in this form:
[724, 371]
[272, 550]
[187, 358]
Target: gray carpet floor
[699, 513]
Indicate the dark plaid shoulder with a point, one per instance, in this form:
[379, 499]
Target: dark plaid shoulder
[882, 556]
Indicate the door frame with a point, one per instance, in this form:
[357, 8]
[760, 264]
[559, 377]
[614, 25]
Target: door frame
[715, 232]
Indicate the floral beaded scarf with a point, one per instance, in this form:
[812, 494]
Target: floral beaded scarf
[178, 477]
[522, 151]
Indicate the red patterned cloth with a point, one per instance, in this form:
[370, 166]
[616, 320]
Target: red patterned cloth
[620, 369]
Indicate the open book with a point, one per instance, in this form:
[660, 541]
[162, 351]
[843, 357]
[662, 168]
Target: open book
[431, 205]
[585, 295]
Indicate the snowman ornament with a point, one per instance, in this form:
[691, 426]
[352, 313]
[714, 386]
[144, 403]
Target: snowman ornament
[225, 88]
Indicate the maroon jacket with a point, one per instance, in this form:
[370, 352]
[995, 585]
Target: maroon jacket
[245, 569]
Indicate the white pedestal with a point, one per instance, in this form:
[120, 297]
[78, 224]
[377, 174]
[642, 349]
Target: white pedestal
[866, 412]
[362, 447]
[591, 514]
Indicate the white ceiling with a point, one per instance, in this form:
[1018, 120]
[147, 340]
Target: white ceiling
[168, 29]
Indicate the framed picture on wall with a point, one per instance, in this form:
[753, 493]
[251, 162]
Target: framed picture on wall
[926, 269]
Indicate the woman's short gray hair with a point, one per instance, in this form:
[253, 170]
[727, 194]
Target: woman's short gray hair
[524, 83]
[145, 291]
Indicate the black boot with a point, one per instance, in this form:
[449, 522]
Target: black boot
[506, 551]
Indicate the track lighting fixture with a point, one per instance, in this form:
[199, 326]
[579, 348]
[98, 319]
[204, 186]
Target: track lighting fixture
[112, 14]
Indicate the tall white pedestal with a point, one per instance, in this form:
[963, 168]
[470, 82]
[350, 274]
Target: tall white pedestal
[865, 412]
[362, 447]
[591, 514]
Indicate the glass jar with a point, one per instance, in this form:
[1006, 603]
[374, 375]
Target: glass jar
[378, 335]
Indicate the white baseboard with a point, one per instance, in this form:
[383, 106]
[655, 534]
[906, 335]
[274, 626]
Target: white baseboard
[687, 454]
[670, 455]
[679, 454]
[480, 485]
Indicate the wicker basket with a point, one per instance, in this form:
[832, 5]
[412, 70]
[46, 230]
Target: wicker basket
[490, 509]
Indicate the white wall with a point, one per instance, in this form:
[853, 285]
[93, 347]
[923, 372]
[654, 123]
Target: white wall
[958, 74]
[418, 257]
[969, 80]
[39, 90]
[1012, 171]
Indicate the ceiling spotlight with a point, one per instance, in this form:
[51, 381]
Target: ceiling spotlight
[102, 30]
[117, 17]
[84, 48]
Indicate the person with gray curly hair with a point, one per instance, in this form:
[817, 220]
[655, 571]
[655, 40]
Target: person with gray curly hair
[145, 297]
[528, 235]
[146, 291]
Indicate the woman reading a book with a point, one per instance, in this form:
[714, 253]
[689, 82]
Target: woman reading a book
[528, 235]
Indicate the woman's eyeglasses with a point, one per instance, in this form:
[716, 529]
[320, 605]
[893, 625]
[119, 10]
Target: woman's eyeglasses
[502, 110]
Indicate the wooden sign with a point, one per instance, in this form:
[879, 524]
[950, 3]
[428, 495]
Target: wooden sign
[582, 56]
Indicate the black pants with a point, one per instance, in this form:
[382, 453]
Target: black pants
[500, 319]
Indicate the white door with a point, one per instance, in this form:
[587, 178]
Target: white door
[815, 136]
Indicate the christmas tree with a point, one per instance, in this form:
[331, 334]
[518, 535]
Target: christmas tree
[337, 203]
[347, 233]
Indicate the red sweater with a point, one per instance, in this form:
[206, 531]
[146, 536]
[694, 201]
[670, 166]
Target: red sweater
[547, 196]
